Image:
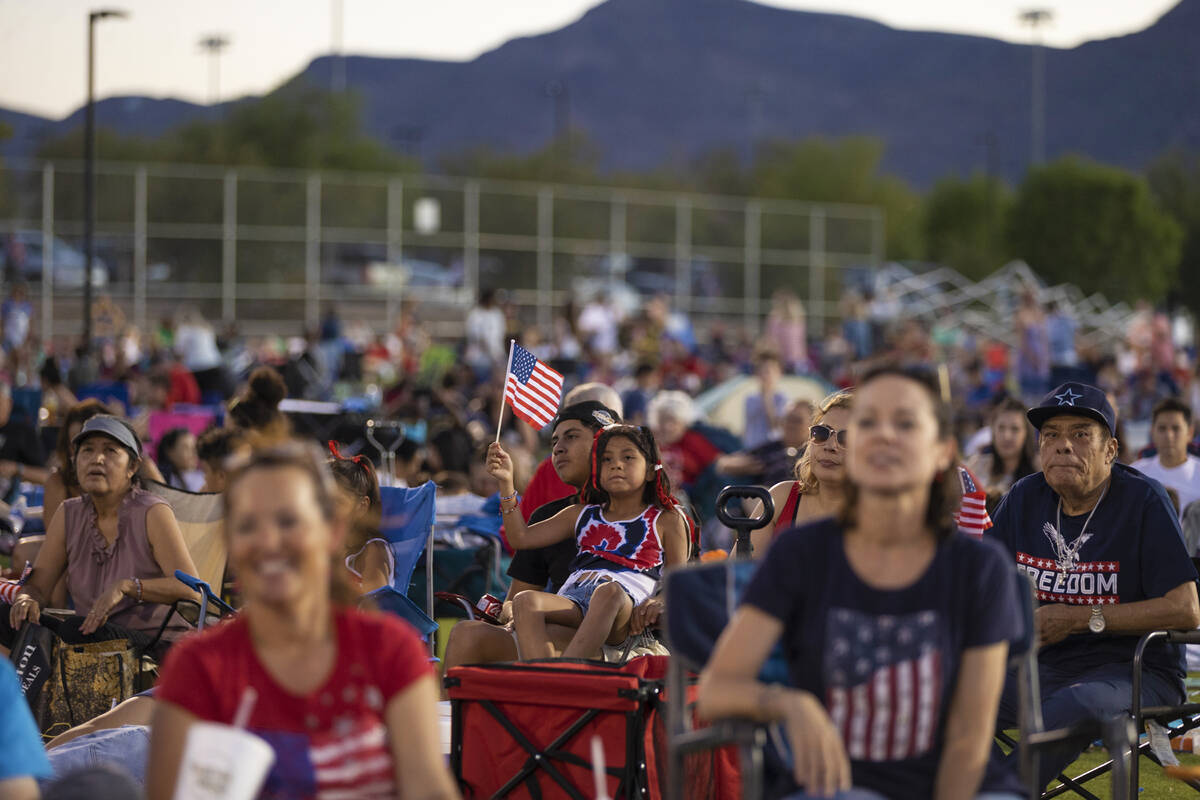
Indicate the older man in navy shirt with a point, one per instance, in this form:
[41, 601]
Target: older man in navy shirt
[1105, 551]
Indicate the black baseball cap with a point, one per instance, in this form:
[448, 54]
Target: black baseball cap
[591, 413]
[1078, 399]
[112, 427]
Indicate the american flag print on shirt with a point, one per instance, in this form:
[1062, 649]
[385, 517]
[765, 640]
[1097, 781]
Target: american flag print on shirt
[972, 516]
[351, 762]
[884, 682]
[533, 389]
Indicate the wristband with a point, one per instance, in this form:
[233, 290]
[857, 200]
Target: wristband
[508, 497]
[137, 582]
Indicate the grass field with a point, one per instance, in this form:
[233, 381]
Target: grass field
[1153, 782]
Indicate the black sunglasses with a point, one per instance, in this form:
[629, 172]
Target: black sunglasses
[821, 433]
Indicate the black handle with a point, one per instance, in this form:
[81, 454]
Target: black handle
[744, 525]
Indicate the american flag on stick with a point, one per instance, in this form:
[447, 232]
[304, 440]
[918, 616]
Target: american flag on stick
[972, 516]
[533, 389]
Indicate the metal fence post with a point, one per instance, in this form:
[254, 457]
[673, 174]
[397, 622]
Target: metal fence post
[879, 217]
[752, 302]
[617, 214]
[471, 240]
[545, 256]
[312, 252]
[816, 270]
[683, 254]
[47, 253]
[139, 248]
[395, 242]
[229, 247]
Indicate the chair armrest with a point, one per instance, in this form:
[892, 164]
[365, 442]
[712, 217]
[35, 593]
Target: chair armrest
[1183, 637]
[721, 732]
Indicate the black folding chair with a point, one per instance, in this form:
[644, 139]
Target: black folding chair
[700, 599]
[1121, 734]
[1116, 733]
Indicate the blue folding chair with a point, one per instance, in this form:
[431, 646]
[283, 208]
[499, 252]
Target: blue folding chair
[406, 523]
[26, 405]
[106, 393]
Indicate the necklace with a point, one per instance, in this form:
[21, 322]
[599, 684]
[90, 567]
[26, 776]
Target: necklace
[1068, 554]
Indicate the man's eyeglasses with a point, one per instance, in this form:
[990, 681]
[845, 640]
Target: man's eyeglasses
[820, 435]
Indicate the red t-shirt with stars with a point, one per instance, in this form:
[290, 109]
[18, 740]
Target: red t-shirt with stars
[331, 742]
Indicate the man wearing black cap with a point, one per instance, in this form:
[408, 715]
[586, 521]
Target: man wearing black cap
[1105, 551]
[546, 567]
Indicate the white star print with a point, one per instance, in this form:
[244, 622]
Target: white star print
[1067, 398]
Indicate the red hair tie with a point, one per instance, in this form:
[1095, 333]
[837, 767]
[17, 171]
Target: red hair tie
[333, 448]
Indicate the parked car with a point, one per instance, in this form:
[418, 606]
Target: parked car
[67, 270]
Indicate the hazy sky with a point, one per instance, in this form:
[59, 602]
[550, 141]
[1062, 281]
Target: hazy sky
[156, 52]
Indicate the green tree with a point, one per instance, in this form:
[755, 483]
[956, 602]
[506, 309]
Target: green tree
[839, 171]
[1097, 227]
[964, 224]
[1175, 182]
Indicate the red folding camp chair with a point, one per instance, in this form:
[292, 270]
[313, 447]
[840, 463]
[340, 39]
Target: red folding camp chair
[525, 730]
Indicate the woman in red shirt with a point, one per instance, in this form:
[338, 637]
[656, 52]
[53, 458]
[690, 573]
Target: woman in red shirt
[346, 699]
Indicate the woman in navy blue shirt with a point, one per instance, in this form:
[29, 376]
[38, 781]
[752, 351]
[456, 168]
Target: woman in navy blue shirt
[895, 628]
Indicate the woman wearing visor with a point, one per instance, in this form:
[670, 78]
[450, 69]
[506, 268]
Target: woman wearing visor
[118, 545]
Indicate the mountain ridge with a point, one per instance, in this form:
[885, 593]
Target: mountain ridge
[654, 81]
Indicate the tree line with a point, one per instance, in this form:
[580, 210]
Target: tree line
[1102, 228]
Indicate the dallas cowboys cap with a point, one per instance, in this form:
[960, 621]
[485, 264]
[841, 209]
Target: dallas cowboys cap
[591, 413]
[1078, 399]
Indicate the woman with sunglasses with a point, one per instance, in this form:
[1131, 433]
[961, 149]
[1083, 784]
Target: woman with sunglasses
[820, 474]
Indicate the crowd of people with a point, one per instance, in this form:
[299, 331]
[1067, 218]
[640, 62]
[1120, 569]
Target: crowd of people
[866, 571]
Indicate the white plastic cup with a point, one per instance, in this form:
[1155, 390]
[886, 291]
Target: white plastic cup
[221, 762]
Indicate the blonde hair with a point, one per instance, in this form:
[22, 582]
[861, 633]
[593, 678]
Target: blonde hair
[804, 471]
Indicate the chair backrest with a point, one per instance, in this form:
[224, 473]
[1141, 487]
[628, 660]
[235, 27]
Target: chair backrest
[26, 404]
[160, 422]
[701, 599]
[201, 518]
[106, 393]
[1190, 521]
[406, 523]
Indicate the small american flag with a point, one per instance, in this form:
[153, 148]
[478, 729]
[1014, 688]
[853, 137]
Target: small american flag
[9, 589]
[972, 516]
[531, 388]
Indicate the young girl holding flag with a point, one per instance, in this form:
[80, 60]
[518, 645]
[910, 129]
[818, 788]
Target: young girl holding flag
[627, 526]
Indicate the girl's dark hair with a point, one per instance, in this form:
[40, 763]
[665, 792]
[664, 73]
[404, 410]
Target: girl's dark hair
[257, 408]
[1025, 460]
[165, 444]
[79, 413]
[656, 492]
[944, 496]
[216, 445]
[356, 475]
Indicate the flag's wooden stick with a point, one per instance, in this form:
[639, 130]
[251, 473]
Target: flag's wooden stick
[503, 386]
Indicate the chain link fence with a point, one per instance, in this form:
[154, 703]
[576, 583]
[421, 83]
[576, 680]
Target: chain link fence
[272, 249]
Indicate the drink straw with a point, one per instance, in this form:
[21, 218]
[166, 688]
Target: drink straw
[598, 771]
[245, 707]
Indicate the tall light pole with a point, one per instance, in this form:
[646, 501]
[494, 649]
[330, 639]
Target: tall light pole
[338, 66]
[213, 44]
[89, 173]
[1035, 18]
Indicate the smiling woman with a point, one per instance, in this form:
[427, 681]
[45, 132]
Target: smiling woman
[346, 699]
[116, 543]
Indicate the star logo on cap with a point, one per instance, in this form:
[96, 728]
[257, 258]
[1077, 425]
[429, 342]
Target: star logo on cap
[1067, 398]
